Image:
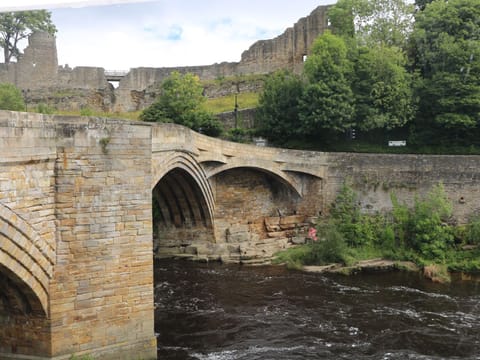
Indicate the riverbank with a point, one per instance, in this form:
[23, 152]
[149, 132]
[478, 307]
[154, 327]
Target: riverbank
[424, 234]
[371, 265]
[435, 273]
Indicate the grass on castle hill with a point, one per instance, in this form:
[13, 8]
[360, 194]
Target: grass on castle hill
[246, 100]
[218, 105]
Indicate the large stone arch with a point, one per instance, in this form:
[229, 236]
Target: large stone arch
[183, 204]
[162, 165]
[25, 254]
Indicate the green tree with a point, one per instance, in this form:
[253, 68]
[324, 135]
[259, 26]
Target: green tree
[421, 4]
[277, 113]
[383, 88]
[327, 100]
[16, 26]
[447, 40]
[430, 235]
[11, 98]
[342, 18]
[424, 228]
[346, 213]
[386, 22]
[181, 102]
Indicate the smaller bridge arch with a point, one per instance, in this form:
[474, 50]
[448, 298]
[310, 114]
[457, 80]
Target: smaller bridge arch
[25, 254]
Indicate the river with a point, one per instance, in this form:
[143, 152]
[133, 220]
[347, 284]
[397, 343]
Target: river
[227, 312]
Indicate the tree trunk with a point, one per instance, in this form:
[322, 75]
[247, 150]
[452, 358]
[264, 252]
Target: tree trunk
[6, 51]
[6, 55]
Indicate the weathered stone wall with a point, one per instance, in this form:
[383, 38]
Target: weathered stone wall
[235, 85]
[102, 291]
[245, 119]
[137, 89]
[286, 51]
[37, 67]
[76, 232]
[376, 176]
[244, 197]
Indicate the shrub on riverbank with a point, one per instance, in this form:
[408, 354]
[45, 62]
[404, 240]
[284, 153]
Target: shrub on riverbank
[422, 233]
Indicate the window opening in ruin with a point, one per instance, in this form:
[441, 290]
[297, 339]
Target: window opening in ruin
[114, 83]
[304, 58]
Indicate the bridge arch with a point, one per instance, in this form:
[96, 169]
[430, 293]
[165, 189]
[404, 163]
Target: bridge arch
[182, 202]
[186, 162]
[26, 260]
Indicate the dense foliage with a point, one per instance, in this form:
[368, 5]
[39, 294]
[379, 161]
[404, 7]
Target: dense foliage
[382, 88]
[278, 106]
[420, 232]
[16, 26]
[11, 98]
[447, 56]
[373, 22]
[388, 68]
[326, 102]
[180, 102]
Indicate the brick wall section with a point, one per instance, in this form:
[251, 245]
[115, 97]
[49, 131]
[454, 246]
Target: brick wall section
[376, 176]
[245, 197]
[102, 291]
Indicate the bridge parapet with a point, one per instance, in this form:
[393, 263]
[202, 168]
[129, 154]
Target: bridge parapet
[218, 155]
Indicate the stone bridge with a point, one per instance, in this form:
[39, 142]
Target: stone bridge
[85, 203]
[76, 264]
[213, 196]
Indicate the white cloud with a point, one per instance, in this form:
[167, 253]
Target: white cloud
[168, 33]
[16, 5]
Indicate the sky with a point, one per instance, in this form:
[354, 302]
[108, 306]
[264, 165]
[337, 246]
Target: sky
[124, 34]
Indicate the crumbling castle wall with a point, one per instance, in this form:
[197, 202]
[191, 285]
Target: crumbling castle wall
[288, 50]
[38, 75]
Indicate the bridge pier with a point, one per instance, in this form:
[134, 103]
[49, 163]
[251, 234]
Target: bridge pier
[76, 267]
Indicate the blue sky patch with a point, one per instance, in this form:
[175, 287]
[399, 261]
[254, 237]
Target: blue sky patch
[175, 33]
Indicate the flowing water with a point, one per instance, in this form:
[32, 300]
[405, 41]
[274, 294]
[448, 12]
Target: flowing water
[226, 312]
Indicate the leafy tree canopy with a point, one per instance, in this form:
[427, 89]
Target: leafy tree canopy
[11, 98]
[386, 22]
[383, 88]
[447, 38]
[180, 102]
[16, 26]
[277, 113]
[328, 56]
[327, 101]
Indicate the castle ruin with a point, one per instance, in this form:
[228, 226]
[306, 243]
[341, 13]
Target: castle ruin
[42, 80]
